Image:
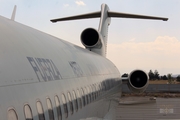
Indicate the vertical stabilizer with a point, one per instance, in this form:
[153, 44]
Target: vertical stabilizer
[14, 13]
[103, 26]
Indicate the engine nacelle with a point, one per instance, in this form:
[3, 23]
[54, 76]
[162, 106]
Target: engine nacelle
[138, 81]
[90, 38]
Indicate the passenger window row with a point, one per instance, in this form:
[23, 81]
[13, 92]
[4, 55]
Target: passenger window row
[78, 99]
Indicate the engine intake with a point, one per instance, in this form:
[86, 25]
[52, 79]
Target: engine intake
[138, 81]
[90, 38]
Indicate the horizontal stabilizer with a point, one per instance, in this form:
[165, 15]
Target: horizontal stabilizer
[76, 17]
[126, 15]
[110, 14]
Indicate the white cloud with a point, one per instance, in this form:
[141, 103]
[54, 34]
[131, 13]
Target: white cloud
[132, 40]
[80, 3]
[66, 5]
[161, 54]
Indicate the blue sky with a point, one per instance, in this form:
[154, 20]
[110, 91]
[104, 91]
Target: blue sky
[132, 44]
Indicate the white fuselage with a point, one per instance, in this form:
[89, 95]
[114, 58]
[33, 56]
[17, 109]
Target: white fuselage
[35, 66]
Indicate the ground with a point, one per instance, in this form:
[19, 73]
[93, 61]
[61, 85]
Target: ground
[159, 95]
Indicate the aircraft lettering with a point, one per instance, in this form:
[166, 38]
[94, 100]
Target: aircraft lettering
[76, 68]
[56, 72]
[45, 69]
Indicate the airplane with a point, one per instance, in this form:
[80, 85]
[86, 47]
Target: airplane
[45, 78]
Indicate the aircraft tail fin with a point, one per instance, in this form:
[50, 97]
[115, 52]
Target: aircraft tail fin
[14, 13]
[105, 19]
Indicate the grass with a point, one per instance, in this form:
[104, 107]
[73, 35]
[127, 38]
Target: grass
[162, 82]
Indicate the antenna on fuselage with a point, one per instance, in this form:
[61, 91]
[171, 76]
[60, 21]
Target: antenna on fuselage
[14, 13]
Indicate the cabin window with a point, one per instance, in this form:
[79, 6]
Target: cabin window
[58, 108]
[70, 103]
[79, 98]
[97, 87]
[12, 115]
[28, 112]
[75, 101]
[110, 84]
[83, 97]
[104, 86]
[50, 109]
[92, 93]
[100, 89]
[86, 94]
[107, 85]
[89, 93]
[113, 83]
[97, 90]
[65, 105]
[40, 110]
